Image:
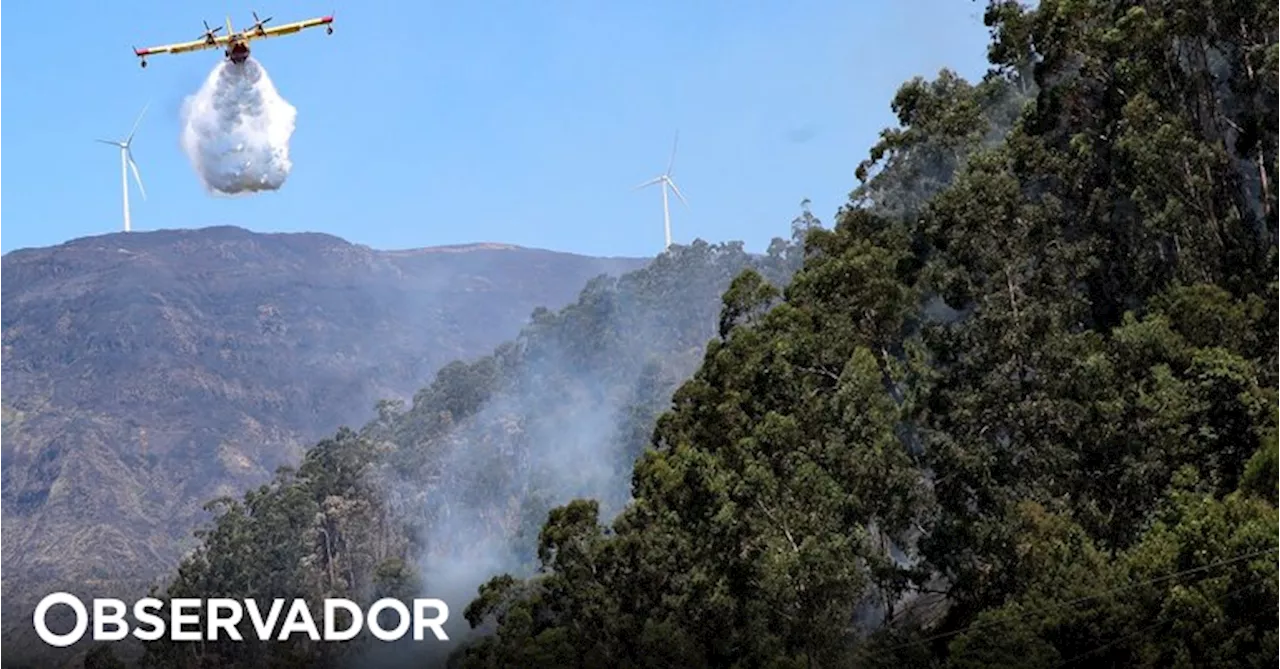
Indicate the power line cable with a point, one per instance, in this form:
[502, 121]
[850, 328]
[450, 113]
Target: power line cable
[1053, 607]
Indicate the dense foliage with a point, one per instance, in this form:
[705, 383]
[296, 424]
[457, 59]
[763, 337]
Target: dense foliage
[443, 493]
[1017, 408]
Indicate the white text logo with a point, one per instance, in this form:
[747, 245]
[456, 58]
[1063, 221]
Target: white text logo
[224, 617]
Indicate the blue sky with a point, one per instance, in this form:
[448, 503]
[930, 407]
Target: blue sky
[425, 123]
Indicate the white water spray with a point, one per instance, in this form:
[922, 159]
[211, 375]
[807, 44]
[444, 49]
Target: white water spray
[236, 130]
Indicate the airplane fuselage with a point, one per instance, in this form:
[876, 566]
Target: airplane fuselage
[237, 51]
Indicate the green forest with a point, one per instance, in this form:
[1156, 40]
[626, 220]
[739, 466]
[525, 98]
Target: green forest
[1016, 407]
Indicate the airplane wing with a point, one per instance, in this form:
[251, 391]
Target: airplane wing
[183, 47]
[287, 29]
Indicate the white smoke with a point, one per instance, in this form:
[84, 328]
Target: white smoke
[236, 130]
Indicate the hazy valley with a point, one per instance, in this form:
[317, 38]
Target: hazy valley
[147, 373]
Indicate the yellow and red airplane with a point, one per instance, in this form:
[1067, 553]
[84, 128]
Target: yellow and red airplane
[236, 43]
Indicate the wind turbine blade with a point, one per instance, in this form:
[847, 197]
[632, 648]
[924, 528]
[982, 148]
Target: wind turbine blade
[107, 141]
[137, 177]
[135, 123]
[671, 163]
[677, 192]
[649, 183]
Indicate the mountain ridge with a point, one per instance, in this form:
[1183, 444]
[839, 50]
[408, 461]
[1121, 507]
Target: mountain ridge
[148, 372]
[161, 233]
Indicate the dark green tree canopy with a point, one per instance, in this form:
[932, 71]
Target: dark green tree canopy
[1017, 407]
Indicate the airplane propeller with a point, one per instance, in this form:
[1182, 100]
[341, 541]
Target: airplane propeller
[210, 32]
[258, 23]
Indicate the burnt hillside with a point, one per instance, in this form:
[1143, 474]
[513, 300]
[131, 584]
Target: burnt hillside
[145, 373]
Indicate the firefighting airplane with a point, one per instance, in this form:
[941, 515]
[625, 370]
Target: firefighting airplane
[236, 43]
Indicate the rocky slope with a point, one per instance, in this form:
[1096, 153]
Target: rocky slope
[145, 374]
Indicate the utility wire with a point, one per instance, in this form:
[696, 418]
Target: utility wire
[1052, 607]
[1141, 631]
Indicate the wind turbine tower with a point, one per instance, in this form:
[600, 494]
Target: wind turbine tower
[126, 162]
[666, 182]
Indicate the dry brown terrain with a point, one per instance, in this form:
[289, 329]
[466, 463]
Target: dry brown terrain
[147, 373]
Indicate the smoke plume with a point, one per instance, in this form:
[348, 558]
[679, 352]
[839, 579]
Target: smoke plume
[567, 419]
[236, 130]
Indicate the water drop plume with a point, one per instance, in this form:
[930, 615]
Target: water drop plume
[236, 130]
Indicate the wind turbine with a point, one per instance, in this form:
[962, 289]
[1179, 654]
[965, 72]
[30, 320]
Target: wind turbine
[666, 181]
[126, 162]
